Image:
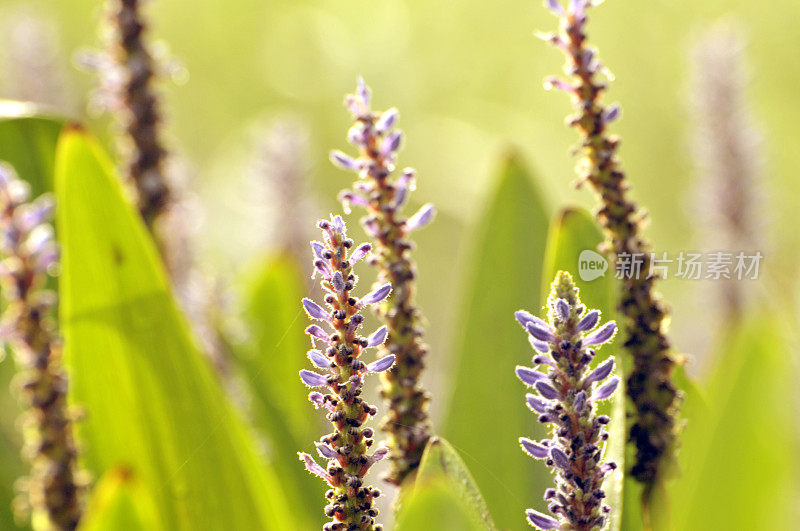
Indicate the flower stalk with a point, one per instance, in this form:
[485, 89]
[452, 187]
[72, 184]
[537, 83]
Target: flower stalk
[383, 197]
[53, 492]
[649, 383]
[566, 393]
[136, 105]
[350, 504]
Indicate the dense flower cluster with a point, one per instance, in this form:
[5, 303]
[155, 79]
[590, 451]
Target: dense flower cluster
[54, 489]
[383, 198]
[351, 503]
[566, 392]
[649, 384]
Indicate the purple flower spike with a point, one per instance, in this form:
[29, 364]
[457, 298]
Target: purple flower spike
[606, 390]
[375, 296]
[588, 322]
[560, 458]
[387, 120]
[314, 468]
[313, 379]
[338, 281]
[562, 308]
[536, 404]
[529, 376]
[539, 346]
[318, 359]
[344, 161]
[325, 451]
[319, 333]
[382, 364]
[547, 390]
[542, 333]
[378, 337]
[360, 252]
[314, 310]
[603, 335]
[533, 448]
[600, 373]
[422, 217]
[541, 521]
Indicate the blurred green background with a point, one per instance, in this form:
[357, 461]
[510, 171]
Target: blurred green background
[467, 78]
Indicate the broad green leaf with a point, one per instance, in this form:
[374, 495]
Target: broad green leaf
[572, 232]
[28, 136]
[442, 467]
[269, 361]
[119, 501]
[738, 460]
[436, 506]
[487, 412]
[152, 403]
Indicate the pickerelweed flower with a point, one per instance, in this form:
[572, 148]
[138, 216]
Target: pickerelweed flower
[383, 198]
[649, 384]
[566, 391]
[54, 489]
[342, 375]
[132, 98]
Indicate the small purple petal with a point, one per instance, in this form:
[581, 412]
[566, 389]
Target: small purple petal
[362, 91]
[536, 404]
[588, 322]
[322, 267]
[382, 364]
[542, 333]
[319, 333]
[533, 448]
[524, 318]
[579, 403]
[353, 198]
[344, 161]
[602, 335]
[606, 390]
[387, 120]
[318, 399]
[325, 451]
[600, 373]
[379, 454]
[337, 280]
[338, 224]
[319, 359]
[560, 458]
[313, 379]
[551, 83]
[562, 309]
[612, 113]
[528, 376]
[546, 390]
[317, 249]
[422, 217]
[375, 296]
[314, 310]
[539, 346]
[314, 468]
[391, 143]
[542, 521]
[360, 252]
[555, 7]
[378, 337]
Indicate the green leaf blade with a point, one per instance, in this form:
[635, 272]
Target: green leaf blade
[507, 262]
[152, 402]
